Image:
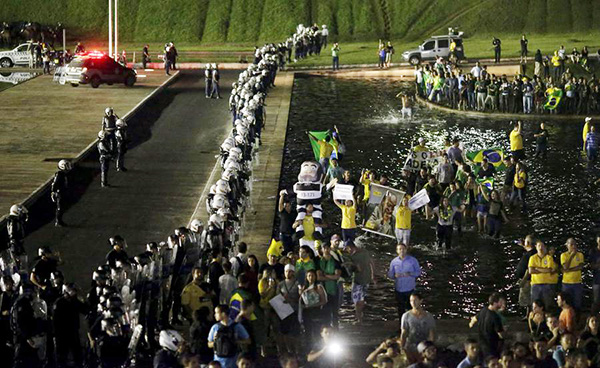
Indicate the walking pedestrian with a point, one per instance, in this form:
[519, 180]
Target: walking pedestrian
[404, 270]
[216, 92]
[591, 144]
[361, 265]
[541, 141]
[445, 217]
[417, 325]
[516, 141]
[207, 81]
[490, 327]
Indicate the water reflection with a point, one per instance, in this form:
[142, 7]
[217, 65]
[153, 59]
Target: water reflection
[16, 77]
[562, 198]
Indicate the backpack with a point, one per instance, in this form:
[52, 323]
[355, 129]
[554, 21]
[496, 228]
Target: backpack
[225, 345]
[240, 268]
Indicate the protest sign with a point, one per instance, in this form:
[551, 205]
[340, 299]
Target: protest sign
[343, 192]
[418, 200]
[380, 210]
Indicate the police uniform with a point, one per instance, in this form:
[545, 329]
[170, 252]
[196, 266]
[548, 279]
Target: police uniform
[121, 139]
[215, 83]
[105, 152]
[59, 187]
[208, 82]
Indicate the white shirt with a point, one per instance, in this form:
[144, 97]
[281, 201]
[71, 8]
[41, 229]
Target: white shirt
[476, 71]
[325, 32]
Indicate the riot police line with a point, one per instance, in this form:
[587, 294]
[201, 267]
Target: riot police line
[132, 298]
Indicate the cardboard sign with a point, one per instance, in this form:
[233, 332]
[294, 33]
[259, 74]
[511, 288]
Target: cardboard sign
[418, 200]
[416, 161]
[343, 192]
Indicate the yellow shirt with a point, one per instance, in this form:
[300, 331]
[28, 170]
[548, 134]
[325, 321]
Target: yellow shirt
[572, 277]
[520, 180]
[325, 149]
[348, 216]
[516, 141]
[309, 227]
[586, 128]
[419, 148]
[266, 294]
[545, 262]
[194, 298]
[403, 218]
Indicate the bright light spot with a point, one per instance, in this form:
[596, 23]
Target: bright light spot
[141, 75]
[335, 348]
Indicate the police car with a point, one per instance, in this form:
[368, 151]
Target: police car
[20, 55]
[96, 68]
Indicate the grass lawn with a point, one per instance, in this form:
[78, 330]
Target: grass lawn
[476, 47]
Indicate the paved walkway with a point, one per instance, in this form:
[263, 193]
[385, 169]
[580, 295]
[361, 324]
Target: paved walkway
[42, 122]
[176, 139]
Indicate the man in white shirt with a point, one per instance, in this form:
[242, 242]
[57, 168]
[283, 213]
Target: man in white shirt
[476, 70]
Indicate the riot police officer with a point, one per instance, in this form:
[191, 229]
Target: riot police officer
[106, 153]
[59, 188]
[15, 226]
[109, 125]
[7, 299]
[122, 140]
[67, 309]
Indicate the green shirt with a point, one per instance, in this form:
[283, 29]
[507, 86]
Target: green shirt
[328, 267]
[334, 51]
[455, 198]
[302, 267]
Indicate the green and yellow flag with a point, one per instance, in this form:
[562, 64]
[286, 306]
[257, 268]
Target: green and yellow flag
[494, 155]
[320, 135]
[486, 182]
[554, 97]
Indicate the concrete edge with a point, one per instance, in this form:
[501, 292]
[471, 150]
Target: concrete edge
[39, 191]
[477, 114]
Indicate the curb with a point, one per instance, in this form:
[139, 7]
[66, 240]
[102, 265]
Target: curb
[43, 188]
[477, 114]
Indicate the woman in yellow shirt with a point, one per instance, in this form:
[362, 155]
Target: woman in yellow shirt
[519, 186]
[403, 224]
[348, 218]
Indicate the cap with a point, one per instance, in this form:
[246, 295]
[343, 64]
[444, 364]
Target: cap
[423, 345]
[588, 119]
[335, 237]
[421, 140]
[289, 267]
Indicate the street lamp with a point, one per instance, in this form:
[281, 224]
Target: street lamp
[110, 28]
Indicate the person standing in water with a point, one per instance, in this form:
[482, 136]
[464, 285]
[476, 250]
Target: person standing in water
[406, 105]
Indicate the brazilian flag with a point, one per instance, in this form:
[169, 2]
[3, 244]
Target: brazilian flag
[495, 156]
[554, 97]
[315, 146]
[486, 182]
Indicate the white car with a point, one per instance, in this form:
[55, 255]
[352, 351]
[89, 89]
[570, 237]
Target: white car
[20, 55]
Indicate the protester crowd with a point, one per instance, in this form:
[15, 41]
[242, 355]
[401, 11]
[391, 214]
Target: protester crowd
[136, 303]
[551, 87]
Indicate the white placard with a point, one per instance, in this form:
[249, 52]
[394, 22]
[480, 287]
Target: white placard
[418, 200]
[343, 192]
[416, 161]
[282, 308]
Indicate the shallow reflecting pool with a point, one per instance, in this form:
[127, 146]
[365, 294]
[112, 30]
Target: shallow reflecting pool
[562, 198]
[9, 79]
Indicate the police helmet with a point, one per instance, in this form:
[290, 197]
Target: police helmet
[108, 111]
[64, 165]
[69, 288]
[196, 225]
[18, 210]
[101, 135]
[215, 219]
[57, 278]
[207, 66]
[170, 340]
[214, 66]
[44, 251]
[117, 240]
[219, 201]
[120, 123]
[239, 139]
[223, 212]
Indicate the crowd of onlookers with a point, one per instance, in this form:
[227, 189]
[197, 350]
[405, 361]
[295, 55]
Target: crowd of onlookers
[566, 77]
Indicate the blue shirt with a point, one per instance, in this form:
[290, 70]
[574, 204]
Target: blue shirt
[591, 141]
[240, 334]
[408, 265]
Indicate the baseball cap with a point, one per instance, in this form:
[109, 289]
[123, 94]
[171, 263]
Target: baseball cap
[421, 140]
[335, 237]
[588, 119]
[289, 267]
